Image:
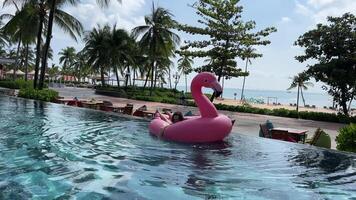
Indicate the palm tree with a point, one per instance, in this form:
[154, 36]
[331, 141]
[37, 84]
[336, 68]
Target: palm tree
[20, 27]
[67, 58]
[157, 37]
[163, 66]
[105, 3]
[247, 55]
[185, 67]
[3, 36]
[300, 81]
[47, 12]
[53, 71]
[120, 51]
[96, 49]
[81, 66]
[64, 21]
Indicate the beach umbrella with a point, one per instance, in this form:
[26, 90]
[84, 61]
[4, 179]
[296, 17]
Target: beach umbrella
[10, 72]
[19, 72]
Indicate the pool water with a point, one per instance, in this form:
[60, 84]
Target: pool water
[50, 151]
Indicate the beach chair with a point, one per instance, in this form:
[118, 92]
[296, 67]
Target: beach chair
[106, 106]
[139, 112]
[320, 139]
[264, 131]
[282, 135]
[75, 102]
[128, 109]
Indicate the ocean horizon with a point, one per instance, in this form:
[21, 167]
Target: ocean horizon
[284, 97]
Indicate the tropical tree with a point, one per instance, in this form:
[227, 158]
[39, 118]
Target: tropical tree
[300, 82]
[248, 53]
[185, 67]
[47, 13]
[53, 71]
[64, 21]
[67, 57]
[81, 68]
[96, 49]
[20, 29]
[333, 46]
[157, 38]
[227, 36]
[120, 51]
[3, 36]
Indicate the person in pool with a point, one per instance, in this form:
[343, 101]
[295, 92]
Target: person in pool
[176, 117]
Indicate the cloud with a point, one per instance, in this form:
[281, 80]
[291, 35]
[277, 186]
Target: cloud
[285, 19]
[125, 15]
[7, 9]
[319, 10]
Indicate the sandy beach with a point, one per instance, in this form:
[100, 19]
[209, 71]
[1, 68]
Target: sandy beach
[271, 106]
[246, 123]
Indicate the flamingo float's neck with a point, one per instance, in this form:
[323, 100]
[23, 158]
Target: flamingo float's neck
[206, 108]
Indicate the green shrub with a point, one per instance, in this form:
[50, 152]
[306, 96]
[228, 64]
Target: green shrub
[346, 140]
[17, 84]
[42, 95]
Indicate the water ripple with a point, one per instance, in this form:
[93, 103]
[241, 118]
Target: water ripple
[50, 151]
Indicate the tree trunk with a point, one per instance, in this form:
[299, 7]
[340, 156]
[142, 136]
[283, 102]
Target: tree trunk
[344, 108]
[186, 83]
[48, 42]
[134, 77]
[117, 77]
[38, 48]
[148, 75]
[26, 62]
[127, 77]
[301, 92]
[298, 100]
[170, 81]
[156, 76]
[343, 102]
[17, 58]
[243, 84]
[152, 78]
[102, 76]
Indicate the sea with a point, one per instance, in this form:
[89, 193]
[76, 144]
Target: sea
[276, 96]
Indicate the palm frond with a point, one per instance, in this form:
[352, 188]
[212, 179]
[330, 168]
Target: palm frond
[68, 24]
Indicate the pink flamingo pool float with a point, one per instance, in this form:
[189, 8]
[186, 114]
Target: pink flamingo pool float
[209, 127]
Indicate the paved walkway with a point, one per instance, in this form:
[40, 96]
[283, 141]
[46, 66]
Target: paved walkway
[246, 123]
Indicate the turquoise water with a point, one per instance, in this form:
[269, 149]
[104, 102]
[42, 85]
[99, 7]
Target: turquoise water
[50, 151]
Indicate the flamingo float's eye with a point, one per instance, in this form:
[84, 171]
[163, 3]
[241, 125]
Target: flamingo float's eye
[206, 80]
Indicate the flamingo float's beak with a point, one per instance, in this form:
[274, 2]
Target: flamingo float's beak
[217, 88]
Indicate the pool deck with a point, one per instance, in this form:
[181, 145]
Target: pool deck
[246, 123]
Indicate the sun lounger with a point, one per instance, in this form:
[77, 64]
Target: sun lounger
[139, 112]
[106, 106]
[128, 109]
[282, 135]
[320, 139]
[264, 131]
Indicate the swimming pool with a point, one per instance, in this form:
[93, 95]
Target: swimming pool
[50, 151]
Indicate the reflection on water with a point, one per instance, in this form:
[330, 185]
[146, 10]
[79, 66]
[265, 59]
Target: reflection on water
[50, 151]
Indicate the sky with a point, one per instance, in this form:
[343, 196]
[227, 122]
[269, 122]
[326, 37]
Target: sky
[292, 18]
